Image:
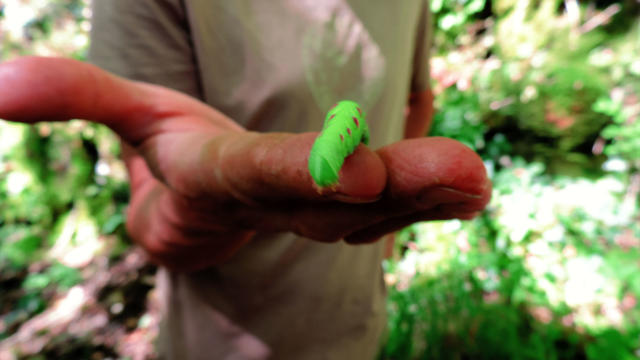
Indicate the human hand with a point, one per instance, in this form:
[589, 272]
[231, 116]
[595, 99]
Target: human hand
[202, 185]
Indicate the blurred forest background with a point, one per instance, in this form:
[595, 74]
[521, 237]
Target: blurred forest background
[546, 91]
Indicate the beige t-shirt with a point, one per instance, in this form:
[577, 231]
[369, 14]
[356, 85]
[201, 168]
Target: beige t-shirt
[275, 65]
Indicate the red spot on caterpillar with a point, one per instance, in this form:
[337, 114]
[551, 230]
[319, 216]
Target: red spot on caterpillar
[359, 111]
[341, 138]
[355, 120]
[332, 116]
[334, 106]
[349, 131]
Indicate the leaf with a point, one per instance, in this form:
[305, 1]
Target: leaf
[65, 277]
[112, 224]
[20, 252]
[36, 282]
[611, 131]
[436, 5]
[450, 21]
[474, 6]
[31, 303]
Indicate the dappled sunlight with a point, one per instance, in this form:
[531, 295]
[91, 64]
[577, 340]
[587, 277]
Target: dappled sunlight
[25, 23]
[584, 281]
[17, 15]
[17, 181]
[64, 258]
[558, 236]
[89, 310]
[78, 240]
[11, 134]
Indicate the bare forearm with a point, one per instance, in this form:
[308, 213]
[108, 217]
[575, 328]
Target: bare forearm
[420, 114]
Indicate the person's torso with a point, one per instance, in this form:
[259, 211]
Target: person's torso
[279, 66]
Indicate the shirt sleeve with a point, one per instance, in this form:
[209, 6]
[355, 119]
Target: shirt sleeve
[420, 80]
[145, 40]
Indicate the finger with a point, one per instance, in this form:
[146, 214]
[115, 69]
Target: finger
[334, 222]
[418, 164]
[375, 232]
[254, 167]
[275, 165]
[137, 168]
[36, 89]
[174, 235]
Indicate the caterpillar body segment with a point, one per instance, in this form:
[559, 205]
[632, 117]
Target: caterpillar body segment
[343, 130]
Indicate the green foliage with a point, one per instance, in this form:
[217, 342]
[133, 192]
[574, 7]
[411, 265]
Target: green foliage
[610, 344]
[526, 280]
[459, 117]
[17, 249]
[451, 18]
[549, 107]
[452, 15]
[63, 189]
[63, 277]
[445, 317]
[457, 324]
[48, 158]
[558, 106]
[58, 27]
[550, 270]
[525, 26]
[621, 105]
[624, 135]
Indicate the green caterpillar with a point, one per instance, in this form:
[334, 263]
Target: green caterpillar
[344, 129]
